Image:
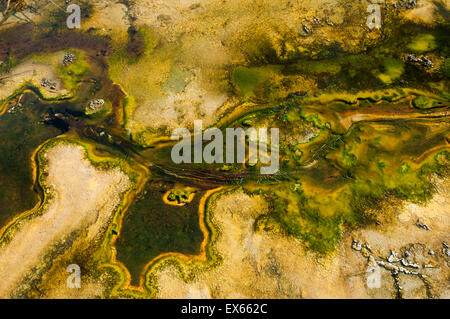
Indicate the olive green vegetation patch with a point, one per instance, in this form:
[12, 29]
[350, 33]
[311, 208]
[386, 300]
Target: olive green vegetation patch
[247, 79]
[422, 102]
[442, 158]
[359, 61]
[423, 43]
[7, 64]
[370, 163]
[318, 67]
[261, 82]
[321, 234]
[73, 73]
[151, 228]
[445, 68]
[149, 38]
[129, 105]
[392, 70]
[142, 43]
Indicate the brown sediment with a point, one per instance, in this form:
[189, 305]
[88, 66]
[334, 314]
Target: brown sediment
[26, 39]
[116, 95]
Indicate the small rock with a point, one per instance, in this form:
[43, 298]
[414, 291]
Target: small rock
[422, 225]
[426, 62]
[69, 58]
[411, 4]
[393, 257]
[413, 58]
[356, 245]
[306, 29]
[95, 106]
[48, 83]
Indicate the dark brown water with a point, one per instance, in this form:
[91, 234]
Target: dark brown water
[151, 227]
[22, 131]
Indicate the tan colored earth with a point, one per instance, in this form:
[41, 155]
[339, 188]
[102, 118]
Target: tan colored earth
[83, 198]
[32, 73]
[265, 265]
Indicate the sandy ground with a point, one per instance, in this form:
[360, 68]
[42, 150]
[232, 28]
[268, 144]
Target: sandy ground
[426, 247]
[32, 72]
[217, 35]
[424, 12]
[84, 199]
[264, 265]
[108, 17]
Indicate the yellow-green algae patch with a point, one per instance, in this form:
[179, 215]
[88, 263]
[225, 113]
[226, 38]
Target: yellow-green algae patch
[370, 163]
[71, 73]
[423, 43]
[393, 70]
